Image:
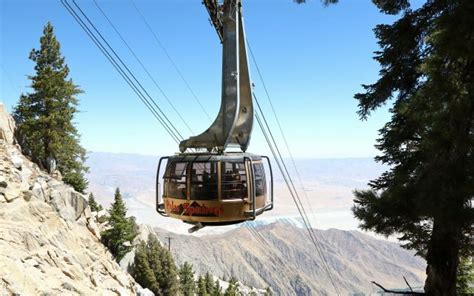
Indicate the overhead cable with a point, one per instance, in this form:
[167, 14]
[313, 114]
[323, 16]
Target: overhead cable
[175, 66]
[142, 65]
[124, 71]
[291, 188]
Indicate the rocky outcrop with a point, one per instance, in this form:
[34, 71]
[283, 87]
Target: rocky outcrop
[49, 241]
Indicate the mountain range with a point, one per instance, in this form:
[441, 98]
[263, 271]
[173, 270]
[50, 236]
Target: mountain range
[281, 256]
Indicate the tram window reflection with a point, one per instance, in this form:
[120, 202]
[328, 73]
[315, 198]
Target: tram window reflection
[175, 176]
[260, 182]
[204, 181]
[234, 180]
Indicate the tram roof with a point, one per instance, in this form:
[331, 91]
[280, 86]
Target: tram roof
[207, 157]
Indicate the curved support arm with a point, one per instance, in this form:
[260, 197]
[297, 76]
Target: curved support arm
[234, 122]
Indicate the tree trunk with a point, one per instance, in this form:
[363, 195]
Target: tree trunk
[442, 259]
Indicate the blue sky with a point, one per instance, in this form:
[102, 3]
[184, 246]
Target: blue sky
[313, 59]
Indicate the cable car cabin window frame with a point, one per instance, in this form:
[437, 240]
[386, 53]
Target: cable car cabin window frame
[260, 182]
[205, 196]
[236, 192]
[171, 180]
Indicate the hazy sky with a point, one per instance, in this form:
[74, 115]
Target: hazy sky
[313, 59]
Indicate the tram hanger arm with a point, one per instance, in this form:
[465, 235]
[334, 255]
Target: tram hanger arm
[233, 124]
[213, 9]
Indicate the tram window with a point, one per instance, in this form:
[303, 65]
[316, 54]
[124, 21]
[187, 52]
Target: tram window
[260, 182]
[204, 181]
[176, 178]
[234, 180]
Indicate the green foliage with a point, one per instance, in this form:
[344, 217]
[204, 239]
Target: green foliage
[163, 264]
[427, 68]
[95, 207]
[118, 237]
[142, 271]
[233, 288]
[201, 286]
[206, 286]
[44, 118]
[268, 292]
[217, 289]
[209, 283]
[159, 273]
[186, 280]
[465, 281]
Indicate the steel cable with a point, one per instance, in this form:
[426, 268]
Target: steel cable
[142, 65]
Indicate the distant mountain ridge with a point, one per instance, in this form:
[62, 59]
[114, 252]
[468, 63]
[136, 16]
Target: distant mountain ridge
[287, 261]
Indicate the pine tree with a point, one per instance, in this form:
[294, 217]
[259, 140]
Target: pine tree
[44, 118]
[201, 286]
[426, 195]
[186, 279]
[95, 207]
[464, 285]
[142, 272]
[153, 253]
[163, 266]
[119, 236]
[268, 292]
[209, 283]
[217, 289]
[233, 288]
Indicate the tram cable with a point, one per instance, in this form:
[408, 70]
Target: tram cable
[142, 65]
[124, 72]
[297, 200]
[294, 194]
[173, 128]
[175, 66]
[295, 167]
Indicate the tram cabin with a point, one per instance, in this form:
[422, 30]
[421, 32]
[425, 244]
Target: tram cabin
[214, 189]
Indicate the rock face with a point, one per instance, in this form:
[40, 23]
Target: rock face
[49, 242]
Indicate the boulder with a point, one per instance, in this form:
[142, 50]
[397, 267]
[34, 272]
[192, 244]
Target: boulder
[93, 228]
[101, 214]
[27, 195]
[143, 291]
[11, 193]
[68, 203]
[37, 191]
[3, 182]
[17, 161]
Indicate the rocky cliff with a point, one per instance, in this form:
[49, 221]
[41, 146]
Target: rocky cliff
[49, 242]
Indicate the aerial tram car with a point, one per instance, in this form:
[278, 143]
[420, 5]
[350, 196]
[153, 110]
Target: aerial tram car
[211, 186]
